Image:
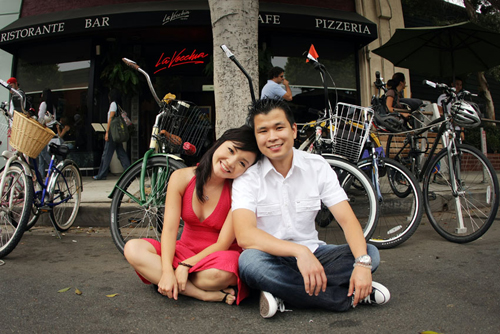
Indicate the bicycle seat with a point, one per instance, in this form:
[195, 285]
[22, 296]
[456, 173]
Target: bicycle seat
[61, 150]
[413, 104]
[389, 122]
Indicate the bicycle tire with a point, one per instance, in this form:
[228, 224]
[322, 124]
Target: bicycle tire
[306, 145]
[130, 219]
[329, 230]
[399, 216]
[67, 191]
[15, 204]
[476, 180]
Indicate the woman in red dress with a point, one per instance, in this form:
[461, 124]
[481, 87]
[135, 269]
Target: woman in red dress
[204, 263]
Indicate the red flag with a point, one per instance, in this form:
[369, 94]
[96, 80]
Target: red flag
[312, 53]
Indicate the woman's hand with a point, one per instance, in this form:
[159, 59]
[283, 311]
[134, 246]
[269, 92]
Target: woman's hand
[106, 136]
[167, 285]
[181, 274]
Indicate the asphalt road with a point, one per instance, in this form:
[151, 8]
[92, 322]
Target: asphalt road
[435, 285]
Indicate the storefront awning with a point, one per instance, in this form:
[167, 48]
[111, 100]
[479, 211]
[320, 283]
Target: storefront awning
[94, 20]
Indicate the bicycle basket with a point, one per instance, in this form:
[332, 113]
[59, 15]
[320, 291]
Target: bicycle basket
[351, 130]
[184, 123]
[28, 136]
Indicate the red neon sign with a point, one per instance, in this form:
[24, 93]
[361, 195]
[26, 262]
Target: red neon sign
[179, 58]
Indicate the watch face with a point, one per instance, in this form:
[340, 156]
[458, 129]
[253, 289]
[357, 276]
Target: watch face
[365, 259]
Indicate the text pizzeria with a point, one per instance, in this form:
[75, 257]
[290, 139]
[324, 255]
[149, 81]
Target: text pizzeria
[33, 31]
[342, 26]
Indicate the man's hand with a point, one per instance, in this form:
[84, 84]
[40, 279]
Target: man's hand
[285, 82]
[167, 285]
[360, 283]
[313, 273]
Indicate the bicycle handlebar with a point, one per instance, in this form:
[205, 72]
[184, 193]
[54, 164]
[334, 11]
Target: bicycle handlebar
[231, 56]
[136, 67]
[228, 52]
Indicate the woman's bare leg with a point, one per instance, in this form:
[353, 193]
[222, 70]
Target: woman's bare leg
[213, 279]
[143, 258]
[208, 296]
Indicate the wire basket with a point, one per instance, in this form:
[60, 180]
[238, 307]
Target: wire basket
[351, 130]
[185, 123]
[28, 136]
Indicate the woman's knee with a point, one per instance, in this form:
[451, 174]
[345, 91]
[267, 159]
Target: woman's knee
[134, 249]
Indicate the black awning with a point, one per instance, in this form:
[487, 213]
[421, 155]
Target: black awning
[315, 19]
[93, 20]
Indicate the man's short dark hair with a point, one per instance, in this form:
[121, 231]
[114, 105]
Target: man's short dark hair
[265, 106]
[275, 72]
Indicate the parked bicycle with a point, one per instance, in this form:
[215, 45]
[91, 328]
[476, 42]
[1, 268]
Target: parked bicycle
[460, 186]
[59, 194]
[361, 198]
[138, 198]
[348, 136]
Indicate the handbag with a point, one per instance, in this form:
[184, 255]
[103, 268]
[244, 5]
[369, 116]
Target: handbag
[130, 125]
[118, 128]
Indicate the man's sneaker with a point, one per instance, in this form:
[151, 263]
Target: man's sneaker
[380, 295]
[270, 304]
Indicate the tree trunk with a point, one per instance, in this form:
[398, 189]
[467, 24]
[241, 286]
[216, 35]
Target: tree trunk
[486, 94]
[484, 90]
[235, 24]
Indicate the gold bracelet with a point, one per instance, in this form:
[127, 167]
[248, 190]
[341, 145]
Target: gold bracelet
[185, 264]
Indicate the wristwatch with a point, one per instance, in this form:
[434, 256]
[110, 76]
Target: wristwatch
[365, 260]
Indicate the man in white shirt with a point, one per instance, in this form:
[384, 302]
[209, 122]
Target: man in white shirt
[274, 206]
[273, 89]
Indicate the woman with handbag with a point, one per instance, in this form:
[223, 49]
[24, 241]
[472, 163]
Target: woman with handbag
[110, 145]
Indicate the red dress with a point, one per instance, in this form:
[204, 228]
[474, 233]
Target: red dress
[197, 236]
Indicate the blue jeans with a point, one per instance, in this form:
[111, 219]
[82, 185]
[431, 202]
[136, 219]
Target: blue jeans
[281, 276]
[109, 148]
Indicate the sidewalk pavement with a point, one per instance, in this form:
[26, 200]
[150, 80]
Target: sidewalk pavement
[435, 286]
[95, 205]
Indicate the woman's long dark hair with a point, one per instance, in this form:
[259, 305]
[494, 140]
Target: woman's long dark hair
[244, 139]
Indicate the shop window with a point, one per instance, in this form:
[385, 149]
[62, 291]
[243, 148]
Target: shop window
[307, 86]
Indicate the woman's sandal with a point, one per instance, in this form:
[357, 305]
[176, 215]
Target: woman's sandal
[235, 288]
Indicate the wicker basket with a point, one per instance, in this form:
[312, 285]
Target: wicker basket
[28, 136]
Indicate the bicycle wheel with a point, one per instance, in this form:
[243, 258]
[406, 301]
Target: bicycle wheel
[476, 201]
[65, 193]
[361, 197]
[307, 145]
[131, 219]
[16, 199]
[399, 216]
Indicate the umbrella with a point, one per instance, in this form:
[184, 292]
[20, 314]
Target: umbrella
[458, 48]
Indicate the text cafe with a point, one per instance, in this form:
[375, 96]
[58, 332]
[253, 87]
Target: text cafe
[79, 59]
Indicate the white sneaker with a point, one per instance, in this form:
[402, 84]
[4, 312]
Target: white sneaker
[380, 295]
[270, 304]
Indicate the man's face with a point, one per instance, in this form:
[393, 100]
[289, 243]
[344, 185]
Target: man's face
[279, 79]
[275, 136]
[14, 85]
[458, 85]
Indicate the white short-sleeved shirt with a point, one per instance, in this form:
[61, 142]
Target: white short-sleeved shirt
[286, 207]
[113, 107]
[272, 90]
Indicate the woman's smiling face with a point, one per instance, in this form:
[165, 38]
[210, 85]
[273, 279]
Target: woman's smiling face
[229, 162]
